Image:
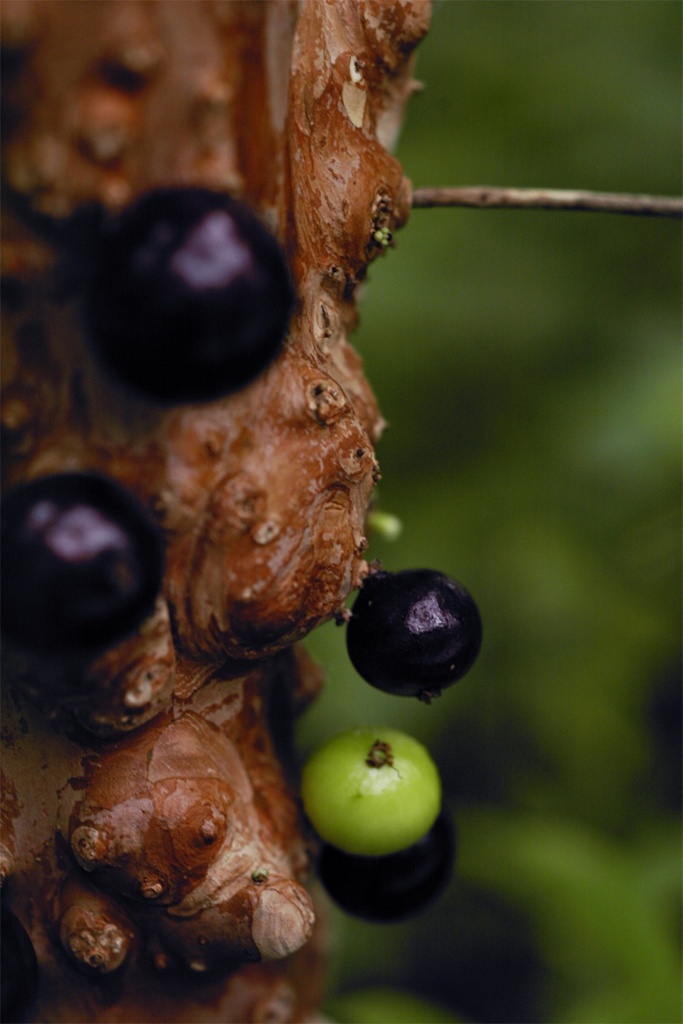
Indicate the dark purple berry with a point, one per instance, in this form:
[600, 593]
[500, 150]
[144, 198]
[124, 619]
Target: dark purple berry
[18, 969]
[81, 566]
[390, 888]
[412, 633]
[188, 296]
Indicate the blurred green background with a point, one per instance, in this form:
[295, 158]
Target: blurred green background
[529, 365]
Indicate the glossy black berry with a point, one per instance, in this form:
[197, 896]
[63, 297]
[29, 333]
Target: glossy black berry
[81, 563]
[393, 887]
[18, 969]
[187, 296]
[412, 633]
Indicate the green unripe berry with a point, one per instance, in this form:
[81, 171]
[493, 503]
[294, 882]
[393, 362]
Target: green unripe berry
[388, 527]
[371, 791]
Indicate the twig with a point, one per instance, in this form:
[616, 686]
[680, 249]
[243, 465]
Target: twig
[483, 197]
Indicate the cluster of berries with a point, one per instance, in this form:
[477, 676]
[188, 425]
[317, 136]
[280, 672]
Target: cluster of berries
[82, 562]
[186, 296]
[374, 795]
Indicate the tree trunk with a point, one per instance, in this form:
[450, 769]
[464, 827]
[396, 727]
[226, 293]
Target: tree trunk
[153, 845]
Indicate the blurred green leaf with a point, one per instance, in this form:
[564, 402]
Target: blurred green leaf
[605, 915]
[381, 1006]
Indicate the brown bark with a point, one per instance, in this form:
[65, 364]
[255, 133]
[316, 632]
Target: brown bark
[153, 844]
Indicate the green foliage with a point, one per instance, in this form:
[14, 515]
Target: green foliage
[377, 1006]
[529, 365]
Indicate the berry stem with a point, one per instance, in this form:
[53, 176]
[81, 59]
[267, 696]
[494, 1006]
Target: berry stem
[380, 754]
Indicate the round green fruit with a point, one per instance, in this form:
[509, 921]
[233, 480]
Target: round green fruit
[371, 791]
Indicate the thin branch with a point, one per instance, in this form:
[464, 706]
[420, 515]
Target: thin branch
[485, 198]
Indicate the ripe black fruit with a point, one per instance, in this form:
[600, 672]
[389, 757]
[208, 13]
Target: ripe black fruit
[81, 565]
[390, 888]
[188, 296]
[414, 632]
[18, 969]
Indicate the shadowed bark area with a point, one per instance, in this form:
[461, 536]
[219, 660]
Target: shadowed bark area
[153, 844]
